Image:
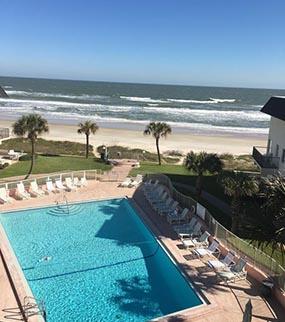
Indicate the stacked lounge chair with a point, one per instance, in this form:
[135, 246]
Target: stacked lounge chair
[69, 184]
[228, 261]
[179, 217]
[196, 242]
[4, 196]
[21, 191]
[211, 250]
[35, 190]
[234, 273]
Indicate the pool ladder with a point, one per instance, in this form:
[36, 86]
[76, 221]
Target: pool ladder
[64, 204]
[33, 307]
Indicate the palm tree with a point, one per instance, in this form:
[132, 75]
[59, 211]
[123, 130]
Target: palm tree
[157, 130]
[238, 186]
[31, 125]
[203, 162]
[87, 128]
[272, 223]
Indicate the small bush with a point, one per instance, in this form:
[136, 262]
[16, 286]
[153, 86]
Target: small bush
[4, 165]
[26, 157]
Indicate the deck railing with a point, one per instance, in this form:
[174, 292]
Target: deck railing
[252, 254]
[97, 174]
[263, 159]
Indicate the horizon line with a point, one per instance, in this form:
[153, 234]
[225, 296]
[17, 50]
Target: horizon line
[137, 83]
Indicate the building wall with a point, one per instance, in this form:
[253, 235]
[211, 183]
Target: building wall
[277, 137]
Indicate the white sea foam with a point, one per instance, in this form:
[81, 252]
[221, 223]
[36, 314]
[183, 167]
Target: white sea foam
[191, 101]
[57, 95]
[142, 99]
[210, 101]
[198, 127]
[6, 86]
[214, 114]
[223, 100]
[194, 118]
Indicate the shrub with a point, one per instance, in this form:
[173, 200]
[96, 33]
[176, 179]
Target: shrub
[4, 165]
[26, 157]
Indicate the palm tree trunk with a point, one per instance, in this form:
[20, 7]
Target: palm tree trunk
[87, 146]
[235, 216]
[33, 156]
[199, 184]
[157, 149]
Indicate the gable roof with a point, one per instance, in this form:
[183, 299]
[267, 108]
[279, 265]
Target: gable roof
[275, 107]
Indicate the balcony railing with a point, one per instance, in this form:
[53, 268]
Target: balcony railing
[263, 159]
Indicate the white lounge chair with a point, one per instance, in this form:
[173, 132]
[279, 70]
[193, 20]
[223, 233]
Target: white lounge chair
[50, 187]
[161, 204]
[21, 192]
[167, 210]
[137, 181]
[69, 184]
[221, 264]
[14, 155]
[186, 230]
[35, 190]
[191, 232]
[194, 242]
[126, 183]
[59, 185]
[234, 273]
[211, 250]
[178, 217]
[83, 182]
[76, 182]
[4, 196]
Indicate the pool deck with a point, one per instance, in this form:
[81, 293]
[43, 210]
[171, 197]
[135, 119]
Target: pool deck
[223, 302]
[9, 309]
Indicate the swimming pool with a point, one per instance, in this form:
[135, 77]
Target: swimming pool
[96, 261]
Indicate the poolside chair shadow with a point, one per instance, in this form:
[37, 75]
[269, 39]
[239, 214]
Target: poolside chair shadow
[205, 281]
[159, 222]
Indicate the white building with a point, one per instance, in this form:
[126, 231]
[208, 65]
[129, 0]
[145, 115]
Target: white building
[271, 159]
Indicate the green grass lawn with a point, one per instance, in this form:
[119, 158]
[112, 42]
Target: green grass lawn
[179, 174]
[46, 146]
[47, 164]
[155, 168]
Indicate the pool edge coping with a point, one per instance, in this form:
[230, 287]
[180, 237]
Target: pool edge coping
[21, 282]
[207, 307]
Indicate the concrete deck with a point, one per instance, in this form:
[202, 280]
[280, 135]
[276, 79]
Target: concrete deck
[225, 302]
[222, 302]
[9, 309]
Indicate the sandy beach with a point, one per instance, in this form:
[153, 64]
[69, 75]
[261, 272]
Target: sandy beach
[181, 141]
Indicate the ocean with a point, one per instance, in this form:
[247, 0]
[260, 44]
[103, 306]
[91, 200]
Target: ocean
[124, 105]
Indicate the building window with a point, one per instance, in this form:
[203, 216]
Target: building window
[277, 150]
[283, 156]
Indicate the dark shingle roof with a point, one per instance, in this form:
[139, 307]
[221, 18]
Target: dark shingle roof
[275, 107]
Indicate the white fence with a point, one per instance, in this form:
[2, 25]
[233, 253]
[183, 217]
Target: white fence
[253, 255]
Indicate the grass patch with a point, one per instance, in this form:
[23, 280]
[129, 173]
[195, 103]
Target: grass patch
[48, 164]
[179, 174]
[121, 152]
[240, 163]
[147, 167]
[46, 146]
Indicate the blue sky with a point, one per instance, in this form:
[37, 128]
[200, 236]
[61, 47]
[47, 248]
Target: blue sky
[196, 42]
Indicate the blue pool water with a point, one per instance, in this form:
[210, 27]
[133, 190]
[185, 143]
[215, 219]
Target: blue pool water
[103, 263]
